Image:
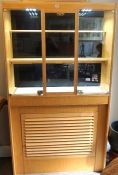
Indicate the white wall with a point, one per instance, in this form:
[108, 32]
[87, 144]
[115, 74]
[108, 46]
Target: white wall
[114, 97]
[4, 137]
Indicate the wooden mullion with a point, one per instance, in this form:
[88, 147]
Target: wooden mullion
[57, 60]
[76, 53]
[43, 51]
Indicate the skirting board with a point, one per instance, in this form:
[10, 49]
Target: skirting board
[67, 173]
[5, 151]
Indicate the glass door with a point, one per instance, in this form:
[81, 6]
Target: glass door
[26, 35]
[92, 59]
[60, 48]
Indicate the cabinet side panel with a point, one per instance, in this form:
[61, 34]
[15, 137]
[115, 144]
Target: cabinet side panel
[16, 140]
[101, 137]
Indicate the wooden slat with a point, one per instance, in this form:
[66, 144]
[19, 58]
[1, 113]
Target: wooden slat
[33, 137]
[64, 146]
[59, 154]
[79, 143]
[58, 125]
[58, 141]
[51, 123]
[58, 148]
[36, 131]
[57, 129]
[68, 134]
[58, 151]
[82, 119]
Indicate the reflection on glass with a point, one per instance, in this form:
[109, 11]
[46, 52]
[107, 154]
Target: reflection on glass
[27, 45]
[89, 74]
[28, 75]
[90, 43]
[60, 45]
[26, 20]
[91, 20]
[59, 75]
[97, 36]
[90, 49]
[55, 21]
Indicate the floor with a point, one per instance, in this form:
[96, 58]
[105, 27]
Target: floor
[6, 166]
[6, 169]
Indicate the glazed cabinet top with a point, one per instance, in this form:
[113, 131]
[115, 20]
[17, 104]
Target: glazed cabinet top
[59, 48]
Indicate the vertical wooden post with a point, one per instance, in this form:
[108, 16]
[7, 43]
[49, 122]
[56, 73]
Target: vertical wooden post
[9, 51]
[107, 47]
[76, 53]
[43, 51]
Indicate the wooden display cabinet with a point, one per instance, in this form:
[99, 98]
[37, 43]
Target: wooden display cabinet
[58, 60]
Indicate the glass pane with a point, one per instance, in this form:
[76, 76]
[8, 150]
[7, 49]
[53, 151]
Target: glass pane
[29, 19]
[89, 74]
[26, 45]
[28, 75]
[59, 45]
[59, 75]
[90, 49]
[55, 21]
[90, 42]
[91, 20]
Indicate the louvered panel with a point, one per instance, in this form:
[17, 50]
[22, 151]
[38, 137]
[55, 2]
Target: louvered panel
[61, 134]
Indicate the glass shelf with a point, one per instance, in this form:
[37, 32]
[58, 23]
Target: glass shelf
[58, 31]
[25, 31]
